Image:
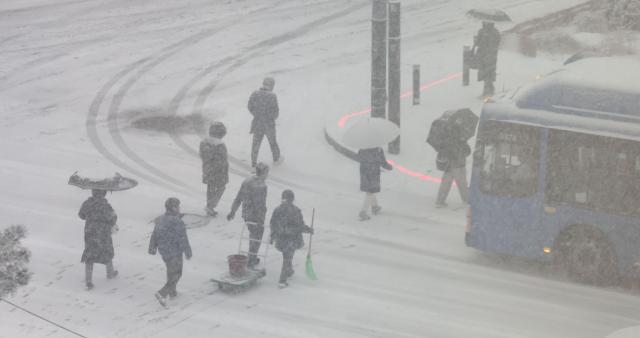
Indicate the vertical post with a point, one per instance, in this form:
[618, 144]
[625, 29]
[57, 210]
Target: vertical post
[466, 51]
[379, 58]
[416, 85]
[394, 70]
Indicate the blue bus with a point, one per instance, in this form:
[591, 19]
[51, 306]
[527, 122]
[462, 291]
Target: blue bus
[556, 171]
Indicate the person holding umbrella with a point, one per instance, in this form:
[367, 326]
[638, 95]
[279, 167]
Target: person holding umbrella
[100, 220]
[371, 160]
[448, 136]
[367, 136]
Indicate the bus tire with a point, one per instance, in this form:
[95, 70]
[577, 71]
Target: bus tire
[585, 256]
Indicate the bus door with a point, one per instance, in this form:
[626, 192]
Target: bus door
[506, 193]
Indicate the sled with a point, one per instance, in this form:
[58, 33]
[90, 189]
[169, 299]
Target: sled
[230, 284]
[115, 183]
[235, 284]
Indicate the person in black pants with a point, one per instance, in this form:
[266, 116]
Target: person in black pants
[253, 197]
[170, 238]
[215, 166]
[263, 105]
[287, 226]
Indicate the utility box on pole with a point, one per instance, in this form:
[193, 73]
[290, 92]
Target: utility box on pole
[394, 70]
[379, 58]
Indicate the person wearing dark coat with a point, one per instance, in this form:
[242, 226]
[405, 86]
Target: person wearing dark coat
[253, 197]
[100, 220]
[371, 160]
[215, 166]
[454, 153]
[263, 105]
[487, 43]
[287, 226]
[169, 237]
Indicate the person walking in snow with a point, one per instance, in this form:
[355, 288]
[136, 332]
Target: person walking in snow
[287, 226]
[263, 105]
[453, 158]
[169, 237]
[215, 166]
[100, 220]
[487, 43]
[253, 197]
[370, 162]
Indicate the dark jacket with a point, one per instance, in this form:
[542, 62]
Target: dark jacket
[263, 105]
[253, 197]
[215, 165]
[456, 153]
[287, 226]
[99, 218]
[169, 237]
[488, 42]
[370, 162]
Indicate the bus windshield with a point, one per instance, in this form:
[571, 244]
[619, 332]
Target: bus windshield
[508, 157]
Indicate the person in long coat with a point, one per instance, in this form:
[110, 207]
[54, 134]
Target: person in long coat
[263, 105]
[215, 166]
[169, 237]
[100, 219]
[371, 160]
[252, 195]
[487, 42]
[287, 226]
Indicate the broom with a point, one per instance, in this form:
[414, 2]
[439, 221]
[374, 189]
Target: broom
[310, 273]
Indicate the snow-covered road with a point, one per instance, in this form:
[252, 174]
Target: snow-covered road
[75, 74]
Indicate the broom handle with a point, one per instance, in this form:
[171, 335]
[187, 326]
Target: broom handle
[313, 216]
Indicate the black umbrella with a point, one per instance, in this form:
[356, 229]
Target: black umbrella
[115, 183]
[464, 122]
[453, 125]
[495, 15]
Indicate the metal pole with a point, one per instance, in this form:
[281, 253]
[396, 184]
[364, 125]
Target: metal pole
[416, 85]
[379, 58]
[394, 70]
[466, 51]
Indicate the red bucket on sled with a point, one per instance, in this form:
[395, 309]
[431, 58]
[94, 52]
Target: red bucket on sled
[237, 265]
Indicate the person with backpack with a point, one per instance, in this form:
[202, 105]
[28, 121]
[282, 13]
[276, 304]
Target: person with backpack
[215, 166]
[169, 237]
[287, 226]
[451, 159]
[371, 160]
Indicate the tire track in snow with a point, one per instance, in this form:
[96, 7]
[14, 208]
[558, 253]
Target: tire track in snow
[147, 63]
[241, 59]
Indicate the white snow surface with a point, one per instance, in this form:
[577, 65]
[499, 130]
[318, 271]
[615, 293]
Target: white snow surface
[75, 73]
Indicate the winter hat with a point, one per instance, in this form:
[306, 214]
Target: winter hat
[288, 196]
[261, 169]
[268, 83]
[217, 129]
[171, 204]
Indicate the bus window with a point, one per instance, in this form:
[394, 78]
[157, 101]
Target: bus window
[593, 172]
[508, 158]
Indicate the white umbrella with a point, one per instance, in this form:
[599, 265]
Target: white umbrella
[370, 133]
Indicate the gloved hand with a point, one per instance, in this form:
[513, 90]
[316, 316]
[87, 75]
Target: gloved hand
[230, 216]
